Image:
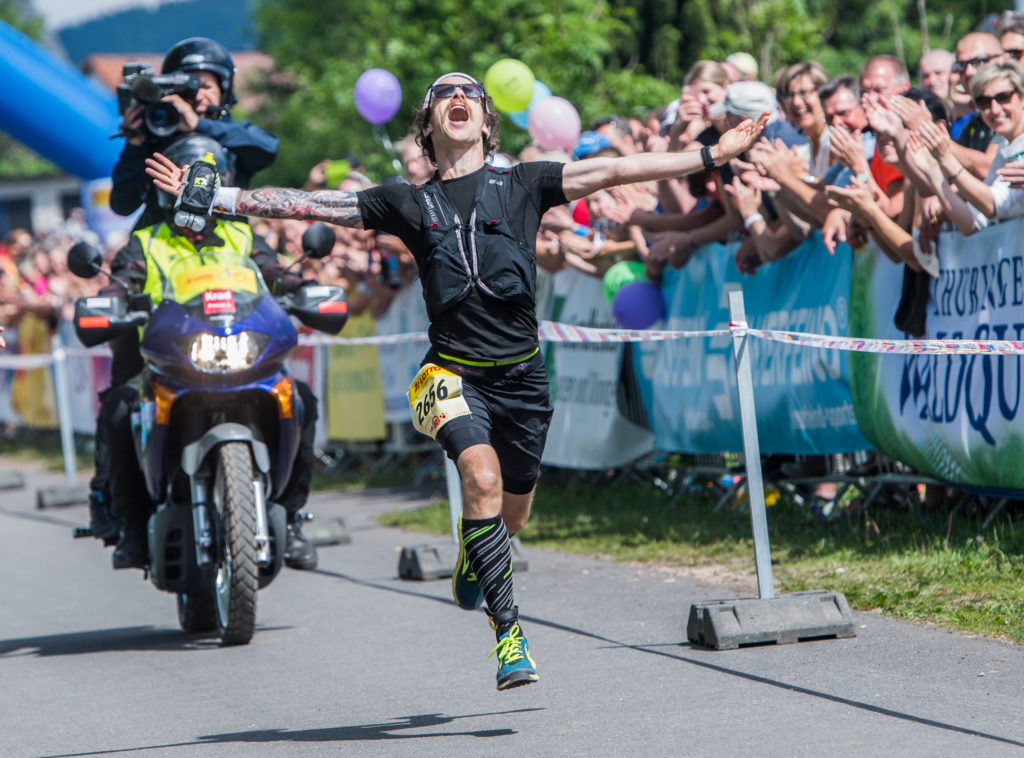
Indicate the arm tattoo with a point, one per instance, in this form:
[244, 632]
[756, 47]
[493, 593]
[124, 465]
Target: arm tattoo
[331, 206]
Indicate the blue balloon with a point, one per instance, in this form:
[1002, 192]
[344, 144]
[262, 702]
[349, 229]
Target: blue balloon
[541, 91]
[638, 305]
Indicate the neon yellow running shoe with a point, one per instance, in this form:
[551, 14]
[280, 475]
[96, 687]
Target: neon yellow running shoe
[515, 666]
[465, 588]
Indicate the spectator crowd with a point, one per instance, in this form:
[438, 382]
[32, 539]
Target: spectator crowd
[847, 155]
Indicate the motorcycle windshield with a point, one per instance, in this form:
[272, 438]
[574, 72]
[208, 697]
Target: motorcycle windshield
[221, 284]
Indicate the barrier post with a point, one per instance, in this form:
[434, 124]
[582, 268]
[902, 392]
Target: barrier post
[72, 493]
[751, 448]
[728, 624]
[63, 392]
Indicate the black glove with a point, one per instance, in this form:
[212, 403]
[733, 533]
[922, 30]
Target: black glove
[192, 208]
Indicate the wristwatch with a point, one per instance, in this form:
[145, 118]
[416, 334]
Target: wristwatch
[862, 177]
[709, 162]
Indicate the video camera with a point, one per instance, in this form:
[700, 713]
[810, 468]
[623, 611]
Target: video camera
[141, 85]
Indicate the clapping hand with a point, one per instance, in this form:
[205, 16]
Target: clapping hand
[847, 148]
[747, 199]
[935, 138]
[1013, 173]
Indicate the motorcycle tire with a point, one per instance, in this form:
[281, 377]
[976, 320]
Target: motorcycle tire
[197, 612]
[236, 577]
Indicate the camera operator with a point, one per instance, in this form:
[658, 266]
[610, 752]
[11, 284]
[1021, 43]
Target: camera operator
[200, 105]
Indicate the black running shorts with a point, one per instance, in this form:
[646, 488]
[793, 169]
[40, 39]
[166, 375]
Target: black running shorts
[510, 410]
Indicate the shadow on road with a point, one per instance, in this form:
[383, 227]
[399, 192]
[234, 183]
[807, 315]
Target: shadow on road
[112, 640]
[388, 730]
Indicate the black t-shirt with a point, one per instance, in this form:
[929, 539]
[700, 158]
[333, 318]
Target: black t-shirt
[480, 327]
[976, 134]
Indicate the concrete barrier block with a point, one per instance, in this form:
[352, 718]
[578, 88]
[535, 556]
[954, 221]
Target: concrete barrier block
[800, 616]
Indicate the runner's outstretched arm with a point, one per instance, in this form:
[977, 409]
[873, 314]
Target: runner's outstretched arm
[581, 178]
[331, 206]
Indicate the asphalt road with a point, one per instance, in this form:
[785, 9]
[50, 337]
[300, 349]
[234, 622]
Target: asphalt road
[351, 660]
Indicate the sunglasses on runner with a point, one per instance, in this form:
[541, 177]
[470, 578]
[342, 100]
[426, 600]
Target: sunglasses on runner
[471, 90]
[984, 102]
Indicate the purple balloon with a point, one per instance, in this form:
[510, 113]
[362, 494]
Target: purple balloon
[638, 305]
[378, 95]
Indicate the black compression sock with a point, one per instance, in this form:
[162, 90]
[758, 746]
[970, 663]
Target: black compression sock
[489, 554]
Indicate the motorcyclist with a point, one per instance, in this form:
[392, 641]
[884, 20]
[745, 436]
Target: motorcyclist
[150, 249]
[249, 148]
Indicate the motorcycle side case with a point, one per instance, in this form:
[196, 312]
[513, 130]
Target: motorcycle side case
[172, 550]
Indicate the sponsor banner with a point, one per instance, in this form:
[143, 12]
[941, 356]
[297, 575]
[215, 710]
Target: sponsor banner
[588, 429]
[955, 417]
[355, 402]
[32, 396]
[802, 395]
[307, 365]
[400, 361]
[88, 374]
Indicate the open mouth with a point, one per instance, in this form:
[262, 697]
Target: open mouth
[458, 113]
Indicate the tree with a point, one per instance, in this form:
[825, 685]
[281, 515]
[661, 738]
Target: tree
[605, 56]
[580, 48]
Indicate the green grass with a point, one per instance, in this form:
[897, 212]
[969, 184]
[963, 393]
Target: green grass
[43, 446]
[898, 560]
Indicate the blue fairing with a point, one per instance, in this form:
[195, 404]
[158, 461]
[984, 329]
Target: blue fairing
[200, 399]
[171, 320]
[154, 443]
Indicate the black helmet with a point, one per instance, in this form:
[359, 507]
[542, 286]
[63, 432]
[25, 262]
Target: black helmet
[204, 54]
[191, 148]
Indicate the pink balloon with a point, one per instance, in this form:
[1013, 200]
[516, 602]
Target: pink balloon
[554, 124]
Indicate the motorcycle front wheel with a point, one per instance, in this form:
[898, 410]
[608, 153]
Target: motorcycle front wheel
[236, 577]
[197, 612]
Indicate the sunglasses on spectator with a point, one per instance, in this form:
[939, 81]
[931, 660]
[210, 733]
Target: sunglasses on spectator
[984, 102]
[471, 90]
[961, 66]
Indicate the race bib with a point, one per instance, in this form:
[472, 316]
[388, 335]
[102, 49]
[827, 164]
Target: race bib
[435, 397]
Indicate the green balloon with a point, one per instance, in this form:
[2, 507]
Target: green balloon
[621, 274]
[509, 82]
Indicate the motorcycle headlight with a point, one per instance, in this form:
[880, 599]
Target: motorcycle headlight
[214, 354]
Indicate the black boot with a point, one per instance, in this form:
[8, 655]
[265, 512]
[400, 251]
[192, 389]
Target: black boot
[299, 552]
[132, 549]
[101, 523]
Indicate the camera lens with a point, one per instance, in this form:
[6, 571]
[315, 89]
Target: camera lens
[162, 119]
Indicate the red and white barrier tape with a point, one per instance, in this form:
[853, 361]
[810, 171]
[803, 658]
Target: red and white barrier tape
[912, 347]
[550, 331]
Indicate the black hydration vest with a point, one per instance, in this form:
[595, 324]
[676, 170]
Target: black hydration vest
[490, 258]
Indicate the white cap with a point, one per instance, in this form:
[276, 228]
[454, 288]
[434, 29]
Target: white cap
[746, 99]
[745, 63]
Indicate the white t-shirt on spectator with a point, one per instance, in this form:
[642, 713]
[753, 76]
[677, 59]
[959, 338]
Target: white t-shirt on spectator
[822, 162]
[1008, 202]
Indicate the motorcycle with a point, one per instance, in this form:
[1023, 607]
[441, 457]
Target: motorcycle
[218, 423]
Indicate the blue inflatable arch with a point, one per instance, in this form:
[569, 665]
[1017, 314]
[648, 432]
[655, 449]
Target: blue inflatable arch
[56, 110]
